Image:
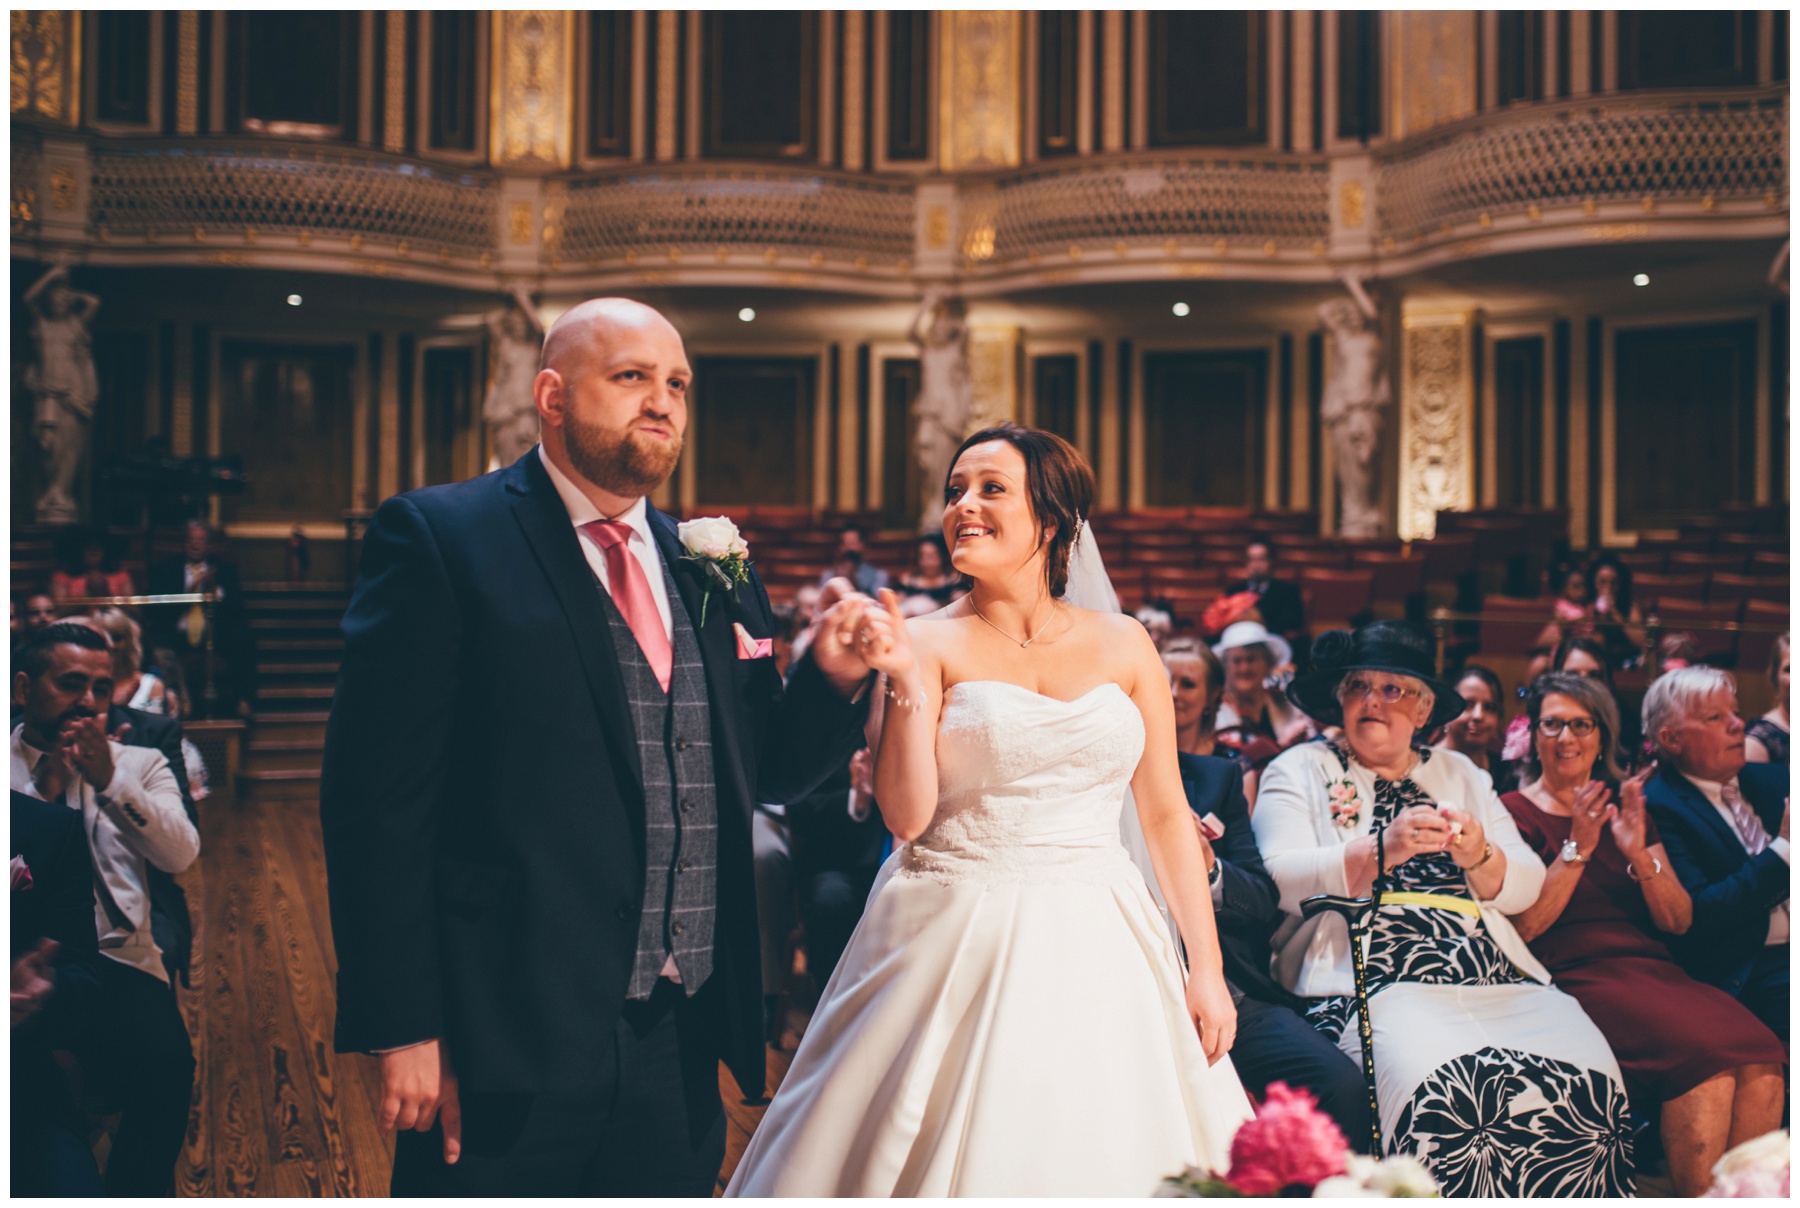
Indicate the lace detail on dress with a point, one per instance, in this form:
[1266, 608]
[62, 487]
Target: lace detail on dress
[1030, 787]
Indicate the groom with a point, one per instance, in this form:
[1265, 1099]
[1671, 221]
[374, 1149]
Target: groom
[539, 776]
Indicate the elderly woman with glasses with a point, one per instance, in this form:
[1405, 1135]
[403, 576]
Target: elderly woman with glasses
[1499, 1083]
[1694, 1049]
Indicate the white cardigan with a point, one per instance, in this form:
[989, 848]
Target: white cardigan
[1303, 849]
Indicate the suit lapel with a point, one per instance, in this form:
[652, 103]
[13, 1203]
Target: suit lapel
[717, 641]
[1689, 794]
[545, 522]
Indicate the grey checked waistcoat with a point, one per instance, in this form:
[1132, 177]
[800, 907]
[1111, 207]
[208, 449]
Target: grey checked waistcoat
[674, 739]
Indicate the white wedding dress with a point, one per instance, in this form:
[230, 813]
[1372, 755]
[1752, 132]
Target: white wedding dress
[1009, 1017]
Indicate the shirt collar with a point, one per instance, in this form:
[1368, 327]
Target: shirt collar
[582, 511]
[1712, 790]
[24, 751]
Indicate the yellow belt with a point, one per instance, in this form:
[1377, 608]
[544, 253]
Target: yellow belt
[1436, 901]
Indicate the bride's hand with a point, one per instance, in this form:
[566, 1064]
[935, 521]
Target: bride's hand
[1215, 1015]
[880, 640]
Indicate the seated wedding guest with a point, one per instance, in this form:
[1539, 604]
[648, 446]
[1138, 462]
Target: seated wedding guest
[156, 729]
[90, 568]
[37, 610]
[175, 696]
[134, 685]
[1157, 622]
[132, 812]
[201, 568]
[1617, 619]
[781, 636]
[1693, 1049]
[1476, 731]
[837, 835]
[1251, 655]
[930, 575]
[1274, 1043]
[850, 560]
[1278, 600]
[1572, 612]
[1579, 656]
[55, 985]
[1466, 1030]
[1766, 738]
[1197, 684]
[1725, 825]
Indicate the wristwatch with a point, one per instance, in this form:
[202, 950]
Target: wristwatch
[1571, 853]
[1217, 871]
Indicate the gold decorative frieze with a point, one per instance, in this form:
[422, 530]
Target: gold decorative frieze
[978, 82]
[533, 80]
[1350, 204]
[1437, 420]
[187, 73]
[46, 65]
[993, 374]
[1434, 57]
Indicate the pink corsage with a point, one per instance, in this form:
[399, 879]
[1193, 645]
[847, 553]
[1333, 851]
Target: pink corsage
[21, 875]
[1346, 802]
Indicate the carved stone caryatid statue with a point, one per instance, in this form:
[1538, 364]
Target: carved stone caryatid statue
[510, 410]
[946, 395]
[1356, 396]
[63, 387]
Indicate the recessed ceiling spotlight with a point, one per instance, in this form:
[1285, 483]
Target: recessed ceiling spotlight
[293, 299]
[1180, 309]
[1641, 279]
[747, 315]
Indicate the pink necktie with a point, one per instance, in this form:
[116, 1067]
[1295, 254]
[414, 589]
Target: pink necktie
[630, 590]
[1749, 826]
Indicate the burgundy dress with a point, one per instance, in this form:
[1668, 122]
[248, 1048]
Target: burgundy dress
[1669, 1032]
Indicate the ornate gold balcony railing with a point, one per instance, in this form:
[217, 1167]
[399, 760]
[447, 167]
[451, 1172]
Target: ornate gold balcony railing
[1277, 203]
[195, 190]
[1723, 149]
[720, 213]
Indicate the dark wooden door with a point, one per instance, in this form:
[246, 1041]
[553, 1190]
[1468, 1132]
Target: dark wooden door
[899, 429]
[1518, 420]
[1203, 427]
[287, 413]
[752, 420]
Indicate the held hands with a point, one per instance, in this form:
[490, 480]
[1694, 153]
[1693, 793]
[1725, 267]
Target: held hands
[832, 647]
[418, 1087]
[880, 639]
[1213, 1012]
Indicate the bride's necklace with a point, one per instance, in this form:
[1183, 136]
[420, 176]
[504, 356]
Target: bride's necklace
[1009, 637]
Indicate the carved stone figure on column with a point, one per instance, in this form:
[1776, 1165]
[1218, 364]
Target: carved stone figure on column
[946, 394]
[510, 411]
[1356, 396]
[63, 387]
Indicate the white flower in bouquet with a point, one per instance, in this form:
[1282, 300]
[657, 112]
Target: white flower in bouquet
[1757, 1169]
[1399, 1177]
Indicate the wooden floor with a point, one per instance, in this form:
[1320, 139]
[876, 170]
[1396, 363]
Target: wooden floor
[276, 1112]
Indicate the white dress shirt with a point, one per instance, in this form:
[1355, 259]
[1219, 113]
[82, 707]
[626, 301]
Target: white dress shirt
[1715, 793]
[136, 820]
[642, 544]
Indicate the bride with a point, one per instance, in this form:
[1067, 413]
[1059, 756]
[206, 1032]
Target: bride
[1010, 1017]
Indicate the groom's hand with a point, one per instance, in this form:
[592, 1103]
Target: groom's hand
[417, 1088]
[834, 640]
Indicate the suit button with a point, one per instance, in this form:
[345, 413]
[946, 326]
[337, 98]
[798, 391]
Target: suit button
[624, 912]
[676, 929]
[686, 806]
[681, 866]
[681, 744]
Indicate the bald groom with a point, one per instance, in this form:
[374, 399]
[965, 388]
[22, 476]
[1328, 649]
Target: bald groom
[539, 777]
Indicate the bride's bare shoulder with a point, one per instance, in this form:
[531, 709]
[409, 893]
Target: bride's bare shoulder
[1113, 626]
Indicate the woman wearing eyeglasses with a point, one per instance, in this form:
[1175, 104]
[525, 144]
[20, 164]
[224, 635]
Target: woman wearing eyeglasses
[1696, 1050]
[1501, 1085]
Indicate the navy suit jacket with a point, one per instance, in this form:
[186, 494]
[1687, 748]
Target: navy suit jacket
[482, 801]
[1248, 900]
[1732, 890]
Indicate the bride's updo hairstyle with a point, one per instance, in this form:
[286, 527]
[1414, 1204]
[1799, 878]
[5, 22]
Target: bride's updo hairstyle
[1059, 485]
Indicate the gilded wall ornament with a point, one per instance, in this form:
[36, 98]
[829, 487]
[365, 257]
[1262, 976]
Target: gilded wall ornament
[533, 78]
[979, 89]
[46, 65]
[1438, 85]
[1436, 422]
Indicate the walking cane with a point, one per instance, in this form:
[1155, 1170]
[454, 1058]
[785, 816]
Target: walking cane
[1356, 912]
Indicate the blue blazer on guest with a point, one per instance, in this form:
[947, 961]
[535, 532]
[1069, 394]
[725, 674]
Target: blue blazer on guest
[1733, 891]
[1248, 900]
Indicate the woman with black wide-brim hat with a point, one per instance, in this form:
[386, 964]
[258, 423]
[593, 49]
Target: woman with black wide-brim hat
[1495, 1080]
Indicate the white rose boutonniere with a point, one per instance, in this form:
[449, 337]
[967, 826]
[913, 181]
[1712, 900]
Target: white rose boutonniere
[718, 552]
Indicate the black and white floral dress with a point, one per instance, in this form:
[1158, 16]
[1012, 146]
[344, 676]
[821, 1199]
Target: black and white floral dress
[1500, 1085]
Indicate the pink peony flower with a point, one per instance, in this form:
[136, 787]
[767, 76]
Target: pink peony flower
[1291, 1142]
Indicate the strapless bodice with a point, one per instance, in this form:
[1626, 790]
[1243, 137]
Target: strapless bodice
[1028, 784]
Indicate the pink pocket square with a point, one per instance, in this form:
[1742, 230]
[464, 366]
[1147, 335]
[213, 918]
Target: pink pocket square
[1215, 830]
[752, 648]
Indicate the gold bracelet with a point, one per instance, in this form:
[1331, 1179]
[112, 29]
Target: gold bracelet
[1487, 853]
